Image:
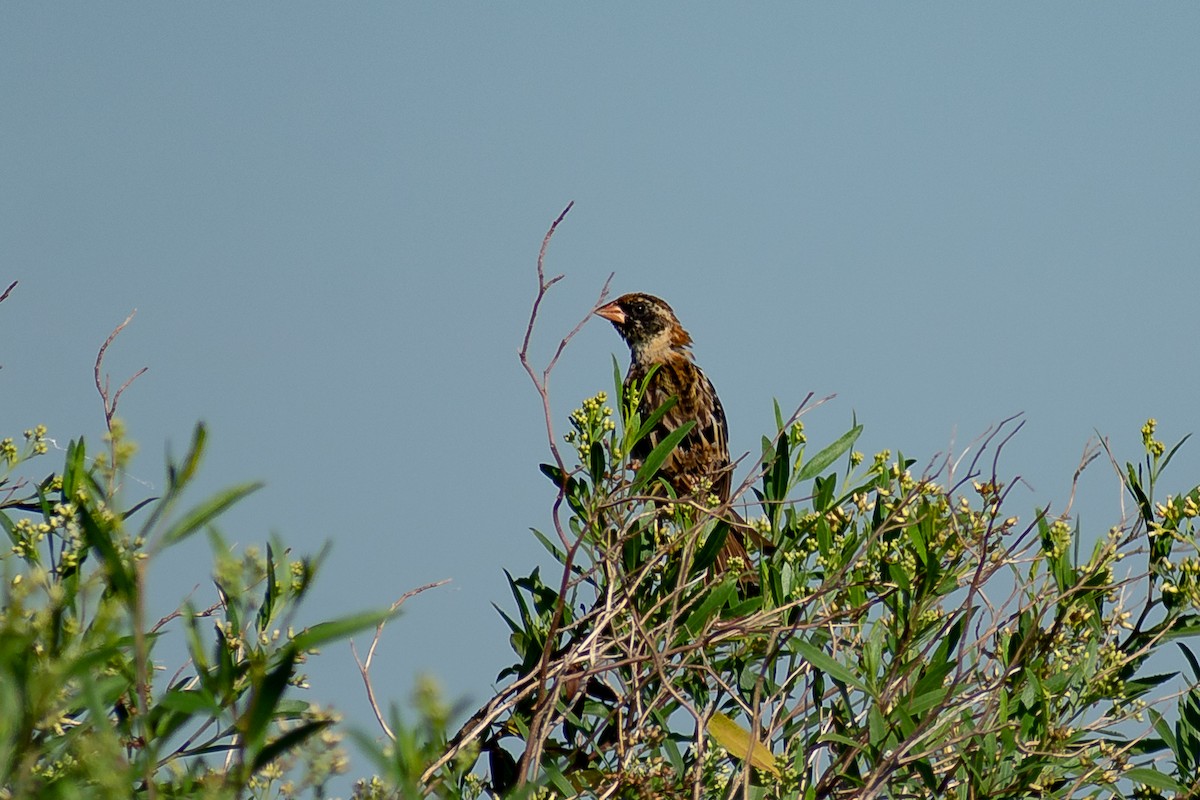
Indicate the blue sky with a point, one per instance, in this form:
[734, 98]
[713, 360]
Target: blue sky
[327, 217]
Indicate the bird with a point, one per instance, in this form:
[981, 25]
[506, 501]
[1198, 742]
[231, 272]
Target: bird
[700, 465]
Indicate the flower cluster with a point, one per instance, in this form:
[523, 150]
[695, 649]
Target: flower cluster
[1153, 446]
[592, 422]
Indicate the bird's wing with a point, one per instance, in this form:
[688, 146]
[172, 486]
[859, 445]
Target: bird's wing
[703, 454]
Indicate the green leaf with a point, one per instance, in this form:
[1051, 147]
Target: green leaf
[775, 479]
[596, 462]
[737, 741]
[556, 477]
[659, 454]
[1139, 686]
[1163, 729]
[840, 739]
[558, 554]
[1153, 778]
[253, 724]
[190, 701]
[99, 537]
[267, 609]
[827, 664]
[73, 469]
[322, 632]
[1167, 459]
[558, 780]
[832, 453]
[7, 524]
[653, 419]
[1135, 488]
[718, 596]
[289, 741]
[181, 476]
[1191, 659]
[712, 545]
[204, 513]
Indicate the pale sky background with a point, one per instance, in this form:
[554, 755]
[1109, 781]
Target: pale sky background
[327, 217]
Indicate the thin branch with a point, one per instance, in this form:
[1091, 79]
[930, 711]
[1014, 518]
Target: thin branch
[364, 665]
[541, 384]
[102, 386]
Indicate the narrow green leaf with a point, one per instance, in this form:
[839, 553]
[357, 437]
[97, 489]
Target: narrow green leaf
[558, 554]
[288, 742]
[253, 724]
[1163, 729]
[99, 538]
[1143, 502]
[267, 610]
[838, 738]
[1167, 459]
[917, 704]
[1139, 686]
[341, 628]
[7, 524]
[1191, 659]
[512, 623]
[73, 468]
[776, 481]
[827, 664]
[718, 596]
[558, 780]
[653, 419]
[917, 533]
[707, 554]
[204, 513]
[596, 462]
[659, 454]
[190, 701]
[1154, 779]
[832, 453]
[191, 461]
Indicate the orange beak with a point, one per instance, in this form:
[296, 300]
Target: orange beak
[611, 312]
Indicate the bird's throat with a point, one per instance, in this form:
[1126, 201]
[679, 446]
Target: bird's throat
[660, 349]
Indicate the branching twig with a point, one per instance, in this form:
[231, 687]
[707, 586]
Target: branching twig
[364, 665]
[102, 386]
[541, 383]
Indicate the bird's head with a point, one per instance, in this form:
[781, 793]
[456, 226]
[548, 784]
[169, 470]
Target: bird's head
[648, 326]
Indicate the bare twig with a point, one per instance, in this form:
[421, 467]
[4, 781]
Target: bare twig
[541, 384]
[8, 291]
[102, 386]
[364, 665]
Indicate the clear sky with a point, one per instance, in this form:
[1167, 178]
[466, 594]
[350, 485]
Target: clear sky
[327, 217]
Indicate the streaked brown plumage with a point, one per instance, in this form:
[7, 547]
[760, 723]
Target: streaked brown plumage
[700, 465]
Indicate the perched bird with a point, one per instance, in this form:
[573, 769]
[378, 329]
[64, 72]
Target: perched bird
[699, 465]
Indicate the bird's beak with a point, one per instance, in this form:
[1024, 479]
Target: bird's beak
[611, 312]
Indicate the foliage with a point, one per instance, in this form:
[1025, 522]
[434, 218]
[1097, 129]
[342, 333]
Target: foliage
[86, 709]
[897, 635]
[903, 636]
[894, 634]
